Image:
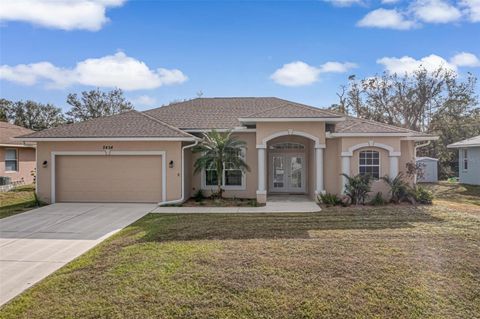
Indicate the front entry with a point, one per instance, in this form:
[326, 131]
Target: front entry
[287, 173]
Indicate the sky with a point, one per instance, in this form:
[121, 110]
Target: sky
[164, 51]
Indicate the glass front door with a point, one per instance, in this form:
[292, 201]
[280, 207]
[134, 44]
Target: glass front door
[287, 173]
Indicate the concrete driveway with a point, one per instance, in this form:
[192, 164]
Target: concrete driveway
[36, 243]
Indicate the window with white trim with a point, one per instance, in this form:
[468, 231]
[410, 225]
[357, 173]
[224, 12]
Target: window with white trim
[369, 163]
[231, 177]
[11, 160]
[465, 159]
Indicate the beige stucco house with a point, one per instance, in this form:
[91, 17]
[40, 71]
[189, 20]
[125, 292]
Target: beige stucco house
[17, 159]
[146, 156]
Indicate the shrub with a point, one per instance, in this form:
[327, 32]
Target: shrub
[357, 188]
[199, 196]
[422, 195]
[329, 199]
[378, 200]
[399, 189]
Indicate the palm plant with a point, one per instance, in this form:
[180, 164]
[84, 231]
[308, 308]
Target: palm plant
[357, 188]
[216, 149]
[399, 190]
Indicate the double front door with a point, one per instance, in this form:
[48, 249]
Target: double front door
[287, 173]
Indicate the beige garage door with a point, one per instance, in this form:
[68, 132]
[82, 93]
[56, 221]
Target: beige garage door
[108, 178]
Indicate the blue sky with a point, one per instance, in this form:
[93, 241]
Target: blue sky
[168, 50]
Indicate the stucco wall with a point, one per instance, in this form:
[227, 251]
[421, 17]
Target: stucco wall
[26, 164]
[172, 149]
[332, 166]
[316, 129]
[472, 175]
[251, 177]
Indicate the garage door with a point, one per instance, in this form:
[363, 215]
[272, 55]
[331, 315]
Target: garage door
[108, 178]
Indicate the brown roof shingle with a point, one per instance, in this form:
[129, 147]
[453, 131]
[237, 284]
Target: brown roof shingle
[128, 124]
[223, 113]
[358, 125]
[9, 131]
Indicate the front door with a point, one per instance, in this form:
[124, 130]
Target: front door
[287, 173]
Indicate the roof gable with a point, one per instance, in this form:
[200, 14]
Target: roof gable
[9, 131]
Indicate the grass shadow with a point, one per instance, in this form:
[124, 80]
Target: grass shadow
[180, 227]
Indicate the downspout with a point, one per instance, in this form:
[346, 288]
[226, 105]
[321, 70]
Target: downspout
[181, 199]
[418, 146]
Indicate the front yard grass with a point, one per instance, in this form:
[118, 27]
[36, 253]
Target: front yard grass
[17, 200]
[455, 192]
[387, 262]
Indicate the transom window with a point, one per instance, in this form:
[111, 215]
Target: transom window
[231, 177]
[287, 146]
[11, 160]
[369, 163]
[465, 159]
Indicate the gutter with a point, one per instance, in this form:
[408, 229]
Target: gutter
[182, 198]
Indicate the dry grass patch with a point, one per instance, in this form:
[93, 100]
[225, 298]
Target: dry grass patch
[17, 200]
[390, 262]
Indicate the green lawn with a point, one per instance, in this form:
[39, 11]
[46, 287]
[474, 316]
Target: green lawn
[387, 262]
[17, 200]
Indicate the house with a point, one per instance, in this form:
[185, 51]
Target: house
[146, 156]
[468, 160]
[429, 167]
[17, 160]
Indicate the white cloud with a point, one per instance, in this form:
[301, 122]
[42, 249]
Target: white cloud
[386, 18]
[299, 73]
[471, 8]
[465, 59]
[435, 11]
[344, 3]
[409, 65]
[118, 70]
[144, 100]
[389, 1]
[59, 14]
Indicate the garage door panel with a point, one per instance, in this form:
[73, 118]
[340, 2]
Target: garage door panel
[108, 178]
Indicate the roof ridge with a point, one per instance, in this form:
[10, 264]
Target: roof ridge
[309, 107]
[383, 124]
[166, 124]
[266, 110]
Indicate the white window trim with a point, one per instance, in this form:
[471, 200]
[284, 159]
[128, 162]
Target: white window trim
[379, 162]
[53, 155]
[465, 159]
[226, 187]
[16, 159]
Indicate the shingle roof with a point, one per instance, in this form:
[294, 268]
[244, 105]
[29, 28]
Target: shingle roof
[469, 142]
[9, 131]
[358, 125]
[223, 113]
[128, 124]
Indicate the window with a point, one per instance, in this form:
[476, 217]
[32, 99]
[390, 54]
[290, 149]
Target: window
[369, 163]
[465, 159]
[11, 160]
[287, 146]
[231, 177]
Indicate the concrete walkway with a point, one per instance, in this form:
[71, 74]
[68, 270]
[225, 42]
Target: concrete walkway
[36, 243]
[275, 204]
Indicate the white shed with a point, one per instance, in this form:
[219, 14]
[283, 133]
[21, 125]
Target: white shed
[429, 168]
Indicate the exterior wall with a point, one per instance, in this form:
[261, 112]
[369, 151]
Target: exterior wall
[265, 129]
[377, 185]
[172, 149]
[332, 166]
[26, 164]
[408, 156]
[472, 175]
[251, 177]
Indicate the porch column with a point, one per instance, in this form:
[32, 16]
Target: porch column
[261, 191]
[345, 170]
[393, 166]
[319, 171]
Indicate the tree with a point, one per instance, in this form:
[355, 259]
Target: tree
[95, 103]
[35, 116]
[216, 149]
[5, 109]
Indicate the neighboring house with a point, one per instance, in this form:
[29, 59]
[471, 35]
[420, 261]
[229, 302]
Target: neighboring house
[468, 160]
[17, 160]
[429, 167]
[146, 156]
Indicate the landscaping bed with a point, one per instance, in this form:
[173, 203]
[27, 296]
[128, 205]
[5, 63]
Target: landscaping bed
[221, 202]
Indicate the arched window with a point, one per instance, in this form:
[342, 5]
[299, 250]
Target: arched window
[287, 146]
[369, 163]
